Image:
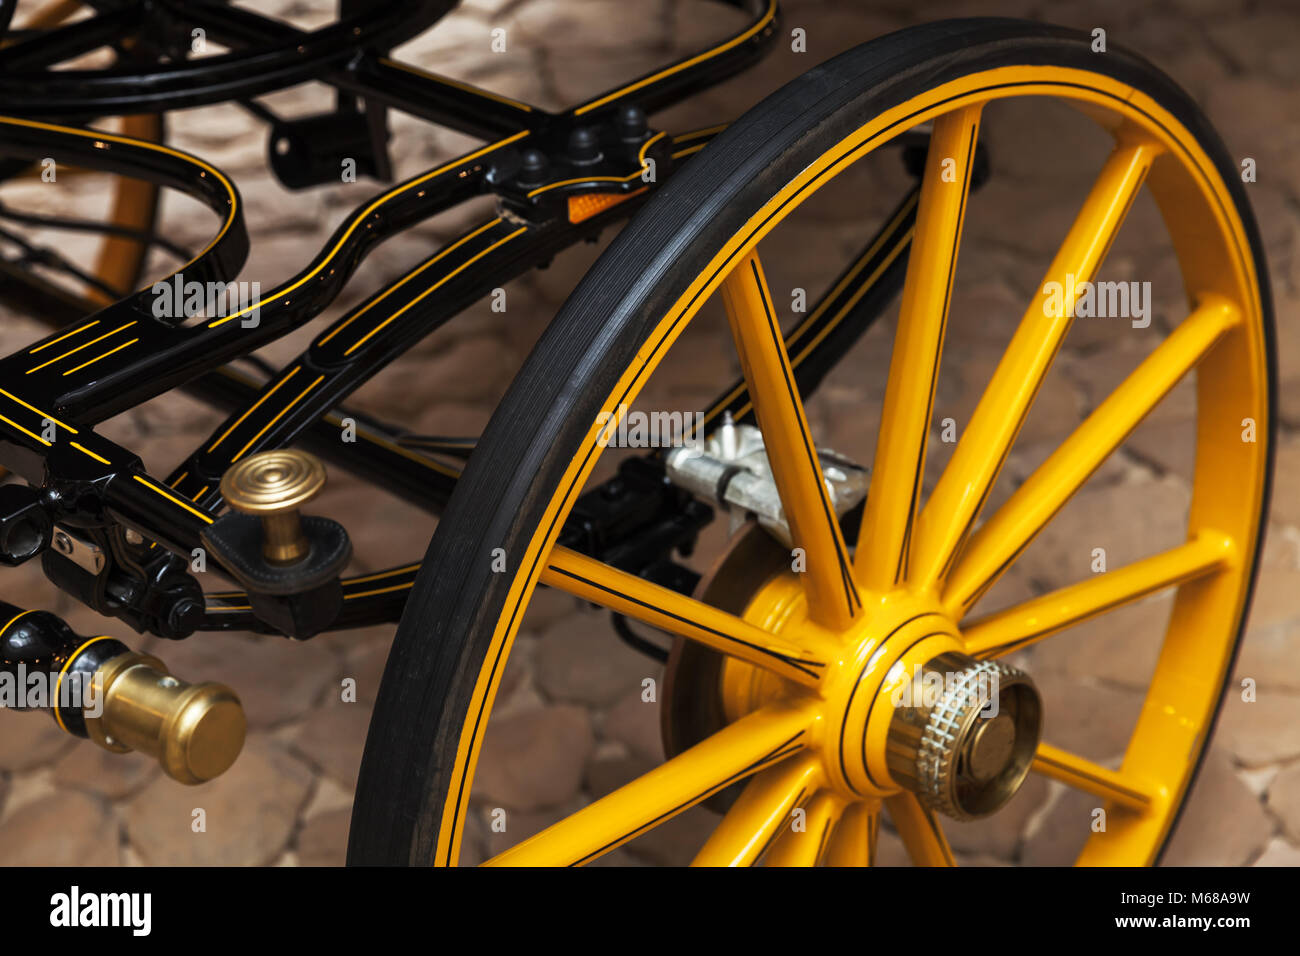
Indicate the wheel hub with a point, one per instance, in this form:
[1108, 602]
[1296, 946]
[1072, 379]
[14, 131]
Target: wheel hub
[905, 708]
[965, 737]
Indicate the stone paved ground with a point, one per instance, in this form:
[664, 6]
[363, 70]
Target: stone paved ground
[570, 724]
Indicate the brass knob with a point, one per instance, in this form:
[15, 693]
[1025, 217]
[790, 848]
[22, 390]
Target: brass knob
[194, 730]
[272, 485]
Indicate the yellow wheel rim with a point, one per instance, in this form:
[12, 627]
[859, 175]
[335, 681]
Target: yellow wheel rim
[920, 569]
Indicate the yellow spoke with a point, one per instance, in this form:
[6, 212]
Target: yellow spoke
[992, 549]
[664, 608]
[955, 503]
[919, 830]
[805, 846]
[832, 597]
[856, 836]
[759, 814]
[918, 344]
[751, 744]
[1022, 625]
[1074, 771]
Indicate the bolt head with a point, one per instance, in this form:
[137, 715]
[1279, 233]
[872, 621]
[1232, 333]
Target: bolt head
[584, 146]
[631, 122]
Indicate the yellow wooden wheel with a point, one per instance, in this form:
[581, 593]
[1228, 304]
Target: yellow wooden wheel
[814, 658]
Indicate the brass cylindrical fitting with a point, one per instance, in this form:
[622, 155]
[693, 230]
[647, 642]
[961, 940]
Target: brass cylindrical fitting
[194, 730]
[964, 734]
[273, 485]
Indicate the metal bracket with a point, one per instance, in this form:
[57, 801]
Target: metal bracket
[85, 554]
[731, 470]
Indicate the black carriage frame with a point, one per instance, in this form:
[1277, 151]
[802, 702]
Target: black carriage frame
[535, 162]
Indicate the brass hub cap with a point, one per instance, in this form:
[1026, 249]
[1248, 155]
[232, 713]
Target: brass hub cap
[910, 710]
[905, 708]
[963, 734]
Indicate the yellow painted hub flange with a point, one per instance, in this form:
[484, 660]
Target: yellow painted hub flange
[899, 634]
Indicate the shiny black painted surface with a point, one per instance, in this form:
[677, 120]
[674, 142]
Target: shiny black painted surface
[40, 642]
[97, 365]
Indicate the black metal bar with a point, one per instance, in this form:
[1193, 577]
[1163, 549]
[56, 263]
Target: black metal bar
[34, 140]
[232, 26]
[691, 74]
[359, 344]
[376, 456]
[286, 60]
[64, 43]
[164, 354]
[451, 103]
[292, 56]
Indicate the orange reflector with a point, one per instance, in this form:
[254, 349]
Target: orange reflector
[586, 205]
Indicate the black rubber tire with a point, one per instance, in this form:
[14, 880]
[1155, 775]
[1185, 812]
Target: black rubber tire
[457, 601]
